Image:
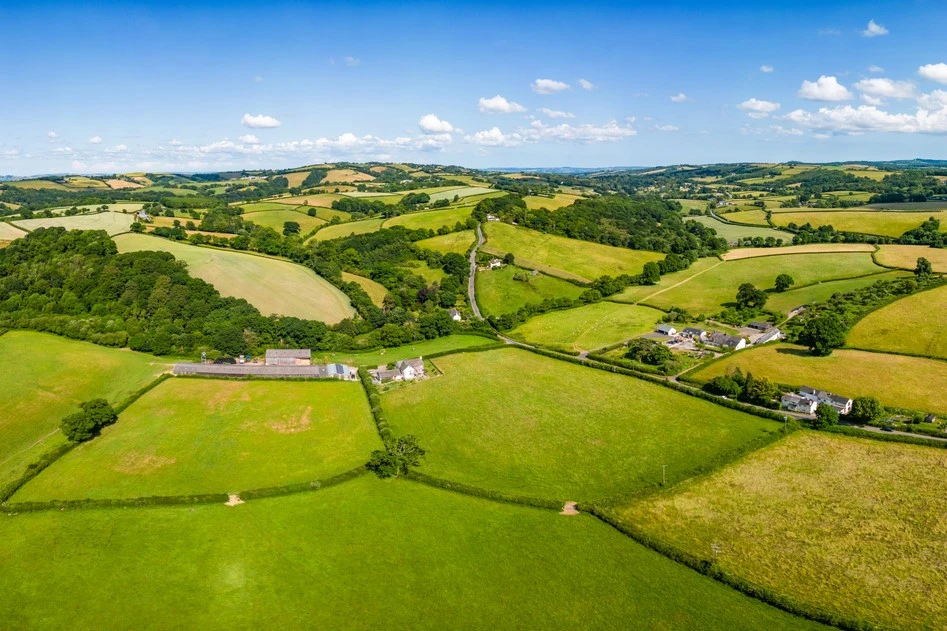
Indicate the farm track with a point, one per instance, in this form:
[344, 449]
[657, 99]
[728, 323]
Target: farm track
[471, 281]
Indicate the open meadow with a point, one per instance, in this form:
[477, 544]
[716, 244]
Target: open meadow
[271, 285]
[430, 219]
[458, 242]
[756, 217]
[337, 231]
[373, 359]
[851, 373]
[784, 302]
[732, 232]
[556, 430]
[58, 376]
[498, 292]
[375, 291]
[557, 201]
[112, 223]
[276, 218]
[850, 526]
[922, 314]
[192, 436]
[906, 256]
[880, 222]
[364, 554]
[323, 200]
[559, 256]
[461, 193]
[588, 327]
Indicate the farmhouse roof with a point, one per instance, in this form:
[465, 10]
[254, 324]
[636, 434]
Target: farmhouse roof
[387, 374]
[826, 396]
[453, 312]
[665, 328]
[760, 326]
[415, 363]
[256, 370]
[770, 335]
[288, 353]
[690, 330]
[722, 339]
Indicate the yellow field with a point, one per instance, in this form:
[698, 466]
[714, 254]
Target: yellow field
[811, 248]
[347, 175]
[375, 291]
[9, 232]
[912, 325]
[752, 217]
[296, 178]
[37, 184]
[118, 184]
[884, 223]
[559, 200]
[851, 526]
[906, 256]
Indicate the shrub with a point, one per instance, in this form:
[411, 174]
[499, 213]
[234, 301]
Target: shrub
[86, 424]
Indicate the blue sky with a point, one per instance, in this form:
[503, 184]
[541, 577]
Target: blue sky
[102, 87]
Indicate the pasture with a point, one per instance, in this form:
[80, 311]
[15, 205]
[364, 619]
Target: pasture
[37, 184]
[323, 200]
[809, 248]
[588, 327]
[818, 516]
[425, 271]
[255, 207]
[119, 207]
[557, 430]
[559, 256]
[192, 436]
[880, 222]
[692, 204]
[430, 219]
[112, 223]
[906, 256]
[912, 325]
[423, 348]
[271, 285]
[498, 292]
[732, 232]
[786, 301]
[59, 375]
[752, 217]
[851, 373]
[461, 193]
[276, 218]
[557, 201]
[337, 231]
[358, 555]
[458, 242]
[346, 176]
[637, 293]
[375, 291]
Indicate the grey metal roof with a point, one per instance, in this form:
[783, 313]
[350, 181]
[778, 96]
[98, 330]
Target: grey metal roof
[256, 370]
[288, 353]
[415, 363]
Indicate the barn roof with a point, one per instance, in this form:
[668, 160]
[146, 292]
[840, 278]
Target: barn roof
[256, 370]
[288, 353]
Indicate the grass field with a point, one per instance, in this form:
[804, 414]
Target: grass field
[787, 301]
[557, 201]
[810, 248]
[119, 207]
[216, 436]
[468, 191]
[848, 525]
[707, 292]
[906, 256]
[276, 218]
[347, 229]
[458, 242]
[559, 256]
[375, 291]
[499, 293]
[588, 327]
[112, 223]
[255, 207]
[58, 376]
[37, 184]
[925, 206]
[692, 204]
[9, 232]
[732, 232]
[425, 271]
[430, 219]
[847, 372]
[637, 293]
[347, 176]
[323, 200]
[752, 217]
[363, 555]
[557, 430]
[880, 222]
[81, 181]
[271, 285]
[913, 325]
[415, 349]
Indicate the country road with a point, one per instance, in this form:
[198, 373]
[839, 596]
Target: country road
[471, 283]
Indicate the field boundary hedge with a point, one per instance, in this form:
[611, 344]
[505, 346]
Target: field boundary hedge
[476, 491]
[374, 402]
[887, 437]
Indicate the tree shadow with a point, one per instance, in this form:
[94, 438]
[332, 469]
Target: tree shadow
[798, 352]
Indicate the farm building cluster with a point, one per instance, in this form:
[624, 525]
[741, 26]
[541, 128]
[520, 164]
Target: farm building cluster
[278, 363]
[808, 399]
[757, 333]
[403, 370]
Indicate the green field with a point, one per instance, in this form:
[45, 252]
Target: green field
[513, 421]
[375, 291]
[255, 207]
[367, 554]
[112, 223]
[557, 201]
[832, 521]
[499, 293]
[458, 242]
[880, 222]
[323, 200]
[906, 256]
[37, 184]
[420, 268]
[708, 292]
[896, 380]
[732, 232]
[692, 204]
[589, 327]
[787, 301]
[430, 219]
[47, 377]
[753, 217]
[913, 325]
[347, 229]
[276, 218]
[192, 436]
[559, 256]
[270, 285]
[118, 207]
[468, 191]
[415, 349]
[637, 293]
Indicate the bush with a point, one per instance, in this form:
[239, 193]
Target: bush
[87, 423]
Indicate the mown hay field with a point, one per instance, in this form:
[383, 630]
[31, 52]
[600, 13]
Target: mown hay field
[809, 248]
[276, 218]
[375, 291]
[192, 436]
[9, 232]
[850, 526]
[557, 201]
[588, 327]
[880, 222]
[906, 256]
[498, 292]
[346, 176]
[112, 223]
[516, 422]
[458, 242]
[914, 325]
[271, 285]
[732, 232]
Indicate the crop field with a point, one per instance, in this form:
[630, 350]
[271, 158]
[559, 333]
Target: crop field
[849, 196]
[120, 184]
[880, 222]
[358, 555]
[112, 223]
[809, 248]
[557, 430]
[906, 256]
[9, 232]
[692, 204]
[786, 301]
[384, 198]
[912, 325]
[588, 327]
[296, 177]
[458, 242]
[321, 199]
[276, 218]
[59, 375]
[706, 293]
[462, 193]
[424, 348]
[732, 232]
[851, 373]
[375, 291]
[498, 292]
[81, 181]
[557, 201]
[753, 217]
[566, 258]
[817, 516]
[347, 175]
[192, 436]
[430, 219]
[918, 206]
[270, 285]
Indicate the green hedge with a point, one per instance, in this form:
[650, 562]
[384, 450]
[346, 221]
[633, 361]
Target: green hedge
[475, 491]
[470, 349]
[34, 469]
[374, 400]
[161, 500]
[137, 394]
[302, 487]
[888, 437]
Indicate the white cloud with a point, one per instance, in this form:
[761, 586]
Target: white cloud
[756, 108]
[10, 154]
[548, 86]
[249, 139]
[824, 89]
[351, 62]
[869, 118]
[887, 88]
[876, 69]
[934, 72]
[52, 136]
[872, 100]
[499, 105]
[62, 150]
[665, 127]
[555, 113]
[680, 97]
[564, 132]
[783, 131]
[586, 85]
[874, 29]
[175, 142]
[494, 138]
[766, 68]
[117, 149]
[260, 121]
[431, 124]
[94, 140]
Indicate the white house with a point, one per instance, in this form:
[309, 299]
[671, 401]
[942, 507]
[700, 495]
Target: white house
[773, 334]
[694, 333]
[455, 315]
[842, 405]
[797, 403]
[723, 340]
[666, 329]
[410, 368]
